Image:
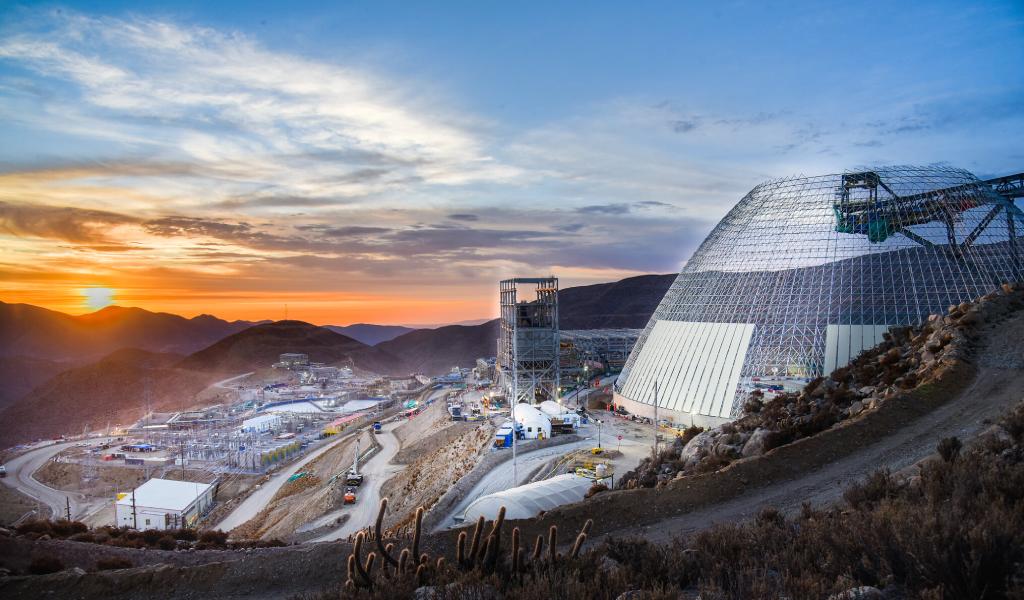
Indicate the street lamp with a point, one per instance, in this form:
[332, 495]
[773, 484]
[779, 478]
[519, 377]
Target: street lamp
[599, 423]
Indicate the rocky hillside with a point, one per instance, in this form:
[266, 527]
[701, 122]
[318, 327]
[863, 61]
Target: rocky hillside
[910, 357]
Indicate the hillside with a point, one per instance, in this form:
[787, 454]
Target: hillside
[112, 390]
[434, 351]
[20, 374]
[260, 346]
[626, 303]
[370, 334]
[34, 332]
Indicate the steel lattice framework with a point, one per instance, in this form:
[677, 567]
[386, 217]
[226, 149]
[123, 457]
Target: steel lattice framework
[802, 262]
[528, 360]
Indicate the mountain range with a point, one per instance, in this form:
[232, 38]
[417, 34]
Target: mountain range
[62, 372]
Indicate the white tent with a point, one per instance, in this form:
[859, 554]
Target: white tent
[559, 414]
[526, 501]
[552, 408]
[533, 421]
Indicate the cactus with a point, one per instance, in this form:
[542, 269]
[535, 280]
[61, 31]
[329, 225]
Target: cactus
[385, 552]
[516, 551]
[460, 550]
[421, 575]
[537, 547]
[553, 543]
[364, 575]
[582, 537]
[403, 561]
[416, 536]
[475, 550]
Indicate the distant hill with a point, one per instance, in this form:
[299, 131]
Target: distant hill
[34, 332]
[116, 389]
[369, 334]
[626, 303]
[434, 351]
[260, 346]
[20, 374]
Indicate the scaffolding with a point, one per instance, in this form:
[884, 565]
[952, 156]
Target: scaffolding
[610, 347]
[804, 273]
[528, 339]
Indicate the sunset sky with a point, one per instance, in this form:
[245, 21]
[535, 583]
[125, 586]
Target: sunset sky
[390, 162]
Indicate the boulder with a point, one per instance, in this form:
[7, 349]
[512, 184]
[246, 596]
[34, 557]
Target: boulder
[866, 390]
[856, 407]
[755, 446]
[697, 448]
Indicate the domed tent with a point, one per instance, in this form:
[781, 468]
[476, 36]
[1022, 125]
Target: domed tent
[551, 408]
[534, 422]
[805, 273]
[526, 501]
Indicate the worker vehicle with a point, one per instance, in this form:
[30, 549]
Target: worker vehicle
[3, 471]
[350, 496]
[354, 477]
[376, 427]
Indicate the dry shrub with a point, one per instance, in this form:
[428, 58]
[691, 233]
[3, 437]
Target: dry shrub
[113, 562]
[45, 563]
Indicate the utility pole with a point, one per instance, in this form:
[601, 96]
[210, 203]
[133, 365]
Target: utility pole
[135, 515]
[67, 504]
[181, 451]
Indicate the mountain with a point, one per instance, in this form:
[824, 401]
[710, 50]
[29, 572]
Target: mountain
[626, 303]
[33, 332]
[434, 351]
[117, 389]
[259, 347]
[20, 374]
[368, 334]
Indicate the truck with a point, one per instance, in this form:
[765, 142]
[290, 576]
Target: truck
[354, 477]
[376, 426]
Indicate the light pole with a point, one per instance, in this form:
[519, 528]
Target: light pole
[599, 423]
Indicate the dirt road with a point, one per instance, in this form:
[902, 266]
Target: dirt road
[259, 499]
[376, 471]
[19, 477]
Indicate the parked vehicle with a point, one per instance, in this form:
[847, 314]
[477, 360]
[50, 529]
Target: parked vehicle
[350, 496]
[3, 471]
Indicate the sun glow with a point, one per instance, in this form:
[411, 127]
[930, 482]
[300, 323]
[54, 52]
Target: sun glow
[98, 297]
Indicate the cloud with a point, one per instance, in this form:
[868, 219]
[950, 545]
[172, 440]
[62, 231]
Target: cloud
[604, 209]
[82, 226]
[464, 217]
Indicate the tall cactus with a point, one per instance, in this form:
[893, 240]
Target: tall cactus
[385, 553]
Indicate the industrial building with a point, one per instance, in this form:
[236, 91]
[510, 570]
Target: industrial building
[805, 273]
[292, 360]
[527, 362]
[164, 504]
[601, 348]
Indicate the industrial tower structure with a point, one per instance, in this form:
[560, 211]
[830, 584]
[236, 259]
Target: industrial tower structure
[528, 340]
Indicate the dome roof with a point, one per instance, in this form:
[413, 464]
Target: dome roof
[528, 500]
[804, 273]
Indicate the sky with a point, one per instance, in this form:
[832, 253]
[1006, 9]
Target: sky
[389, 162]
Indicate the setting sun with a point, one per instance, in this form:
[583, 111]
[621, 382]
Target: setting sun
[98, 297]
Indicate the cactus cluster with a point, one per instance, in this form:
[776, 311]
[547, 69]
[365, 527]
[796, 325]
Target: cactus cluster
[483, 554]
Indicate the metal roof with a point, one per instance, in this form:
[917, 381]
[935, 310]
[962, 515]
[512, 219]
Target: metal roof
[166, 494]
[526, 501]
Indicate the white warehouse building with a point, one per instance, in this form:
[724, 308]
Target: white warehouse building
[164, 504]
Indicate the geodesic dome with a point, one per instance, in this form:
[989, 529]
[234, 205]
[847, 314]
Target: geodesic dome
[805, 273]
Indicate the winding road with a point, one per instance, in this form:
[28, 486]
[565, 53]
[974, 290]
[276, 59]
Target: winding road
[258, 500]
[19, 476]
[376, 471]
